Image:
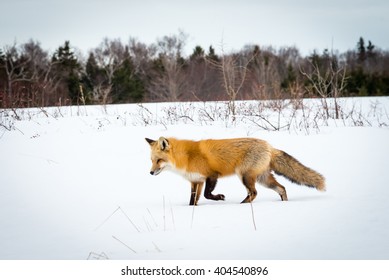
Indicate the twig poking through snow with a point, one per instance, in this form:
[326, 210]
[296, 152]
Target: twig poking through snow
[171, 210]
[106, 220]
[132, 250]
[252, 215]
[152, 217]
[194, 204]
[164, 215]
[128, 218]
[113, 213]
[147, 224]
[95, 256]
[156, 247]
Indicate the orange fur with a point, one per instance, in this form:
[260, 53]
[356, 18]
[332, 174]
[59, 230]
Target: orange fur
[207, 160]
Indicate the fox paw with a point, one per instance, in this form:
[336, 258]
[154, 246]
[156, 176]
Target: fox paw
[220, 197]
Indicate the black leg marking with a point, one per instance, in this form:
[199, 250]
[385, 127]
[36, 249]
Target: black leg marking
[210, 185]
[196, 189]
[192, 198]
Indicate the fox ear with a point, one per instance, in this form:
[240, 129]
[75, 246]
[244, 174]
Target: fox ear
[150, 141]
[163, 143]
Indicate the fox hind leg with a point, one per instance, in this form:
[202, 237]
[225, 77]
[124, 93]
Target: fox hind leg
[270, 182]
[248, 181]
[210, 185]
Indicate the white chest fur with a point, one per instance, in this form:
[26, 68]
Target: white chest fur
[190, 176]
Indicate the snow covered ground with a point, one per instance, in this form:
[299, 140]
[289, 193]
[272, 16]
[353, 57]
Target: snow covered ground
[75, 184]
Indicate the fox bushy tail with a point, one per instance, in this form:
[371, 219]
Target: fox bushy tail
[289, 167]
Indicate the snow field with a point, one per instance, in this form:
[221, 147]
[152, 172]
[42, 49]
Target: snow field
[76, 185]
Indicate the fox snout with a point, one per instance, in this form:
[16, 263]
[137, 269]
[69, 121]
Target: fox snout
[155, 172]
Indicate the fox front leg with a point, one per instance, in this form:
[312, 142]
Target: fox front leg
[210, 185]
[196, 189]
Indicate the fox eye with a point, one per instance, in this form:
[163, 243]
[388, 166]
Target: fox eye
[159, 160]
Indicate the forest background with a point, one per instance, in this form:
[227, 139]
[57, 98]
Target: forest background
[116, 72]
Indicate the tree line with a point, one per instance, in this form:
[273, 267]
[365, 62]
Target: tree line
[117, 72]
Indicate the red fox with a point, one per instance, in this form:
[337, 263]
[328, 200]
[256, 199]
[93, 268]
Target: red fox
[251, 159]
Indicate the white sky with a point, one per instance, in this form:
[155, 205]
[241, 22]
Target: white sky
[306, 24]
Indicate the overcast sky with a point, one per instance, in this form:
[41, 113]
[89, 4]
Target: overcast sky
[306, 24]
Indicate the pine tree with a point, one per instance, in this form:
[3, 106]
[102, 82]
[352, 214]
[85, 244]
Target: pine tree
[127, 86]
[290, 77]
[361, 50]
[198, 53]
[66, 57]
[91, 78]
[212, 55]
[370, 50]
[68, 69]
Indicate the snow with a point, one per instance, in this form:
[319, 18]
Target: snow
[75, 184]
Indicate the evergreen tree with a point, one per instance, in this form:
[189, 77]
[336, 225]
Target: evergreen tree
[92, 69]
[198, 53]
[212, 55]
[370, 50]
[361, 50]
[68, 69]
[127, 86]
[92, 79]
[87, 79]
[291, 77]
[66, 57]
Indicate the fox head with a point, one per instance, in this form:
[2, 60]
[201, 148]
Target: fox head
[159, 155]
